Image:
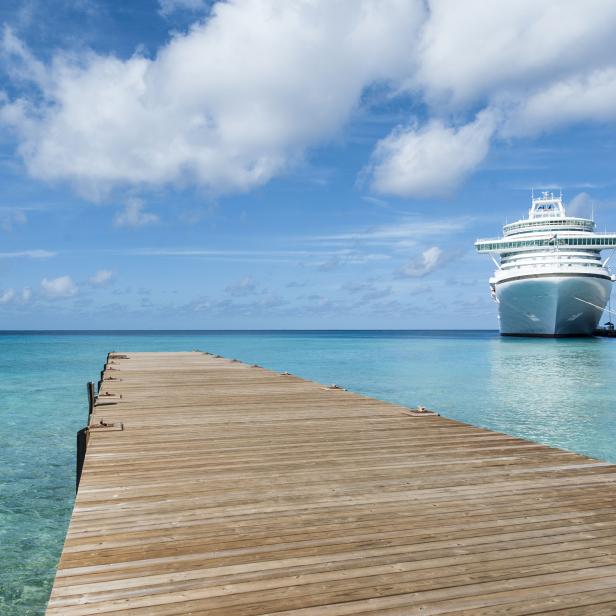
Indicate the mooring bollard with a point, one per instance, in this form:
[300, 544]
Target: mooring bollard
[82, 443]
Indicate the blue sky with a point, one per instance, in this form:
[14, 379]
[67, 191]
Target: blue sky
[184, 164]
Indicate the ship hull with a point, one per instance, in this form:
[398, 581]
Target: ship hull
[549, 305]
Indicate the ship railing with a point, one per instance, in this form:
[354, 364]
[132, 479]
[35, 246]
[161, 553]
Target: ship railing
[501, 246]
[596, 239]
[531, 223]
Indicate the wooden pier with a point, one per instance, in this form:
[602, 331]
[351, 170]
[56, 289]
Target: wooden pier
[214, 487]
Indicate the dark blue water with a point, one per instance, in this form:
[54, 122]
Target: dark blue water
[559, 392]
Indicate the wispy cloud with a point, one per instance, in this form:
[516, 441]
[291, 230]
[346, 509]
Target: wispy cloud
[234, 307]
[134, 215]
[367, 291]
[584, 205]
[412, 229]
[167, 7]
[550, 185]
[349, 257]
[375, 201]
[428, 261]
[101, 278]
[197, 252]
[243, 287]
[12, 296]
[10, 217]
[31, 254]
[7, 296]
[315, 258]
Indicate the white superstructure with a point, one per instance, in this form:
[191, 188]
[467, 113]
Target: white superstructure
[550, 279]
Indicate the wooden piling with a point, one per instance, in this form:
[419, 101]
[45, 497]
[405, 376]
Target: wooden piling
[91, 398]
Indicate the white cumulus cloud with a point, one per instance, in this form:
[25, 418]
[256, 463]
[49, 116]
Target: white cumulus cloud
[576, 99]
[253, 84]
[536, 66]
[430, 160]
[227, 105]
[60, 287]
[477, 50]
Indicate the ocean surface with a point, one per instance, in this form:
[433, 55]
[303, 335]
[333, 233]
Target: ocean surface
[559, 392]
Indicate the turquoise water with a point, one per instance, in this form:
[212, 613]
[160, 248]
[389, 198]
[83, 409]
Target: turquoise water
[559, 392]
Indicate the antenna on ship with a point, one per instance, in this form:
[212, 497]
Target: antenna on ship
[532, 201]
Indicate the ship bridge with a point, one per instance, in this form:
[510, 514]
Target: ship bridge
[548, 226]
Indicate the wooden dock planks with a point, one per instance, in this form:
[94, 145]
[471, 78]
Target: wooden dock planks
[239, 491]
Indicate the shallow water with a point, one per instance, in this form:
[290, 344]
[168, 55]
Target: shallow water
[558, 392]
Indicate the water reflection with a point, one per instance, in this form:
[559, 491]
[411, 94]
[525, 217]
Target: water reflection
[556, 391]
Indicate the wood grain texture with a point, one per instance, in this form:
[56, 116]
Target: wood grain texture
[234, 490]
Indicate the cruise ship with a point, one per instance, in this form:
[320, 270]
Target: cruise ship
[550, 278]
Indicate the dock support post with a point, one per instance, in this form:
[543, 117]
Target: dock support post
[90, 388]
[82, 443]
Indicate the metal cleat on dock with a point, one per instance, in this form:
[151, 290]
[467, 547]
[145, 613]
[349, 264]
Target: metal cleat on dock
[420, 411]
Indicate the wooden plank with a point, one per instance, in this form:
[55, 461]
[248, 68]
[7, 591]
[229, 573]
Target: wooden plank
[236, 490]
